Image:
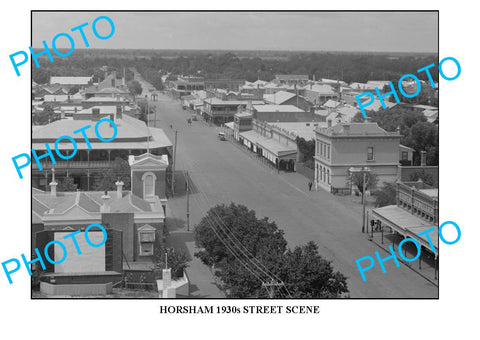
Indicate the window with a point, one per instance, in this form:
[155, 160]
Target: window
[328, 151]
[370, 156]
[328, 176]
[148, 179]
[404, 156]
[146, 249]
[146, 238]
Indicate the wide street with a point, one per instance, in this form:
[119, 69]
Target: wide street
[222, 173]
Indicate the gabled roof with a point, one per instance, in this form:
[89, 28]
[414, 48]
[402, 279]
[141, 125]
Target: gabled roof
[331, 104]
[148, 160]
[279, 97]
[86, 205]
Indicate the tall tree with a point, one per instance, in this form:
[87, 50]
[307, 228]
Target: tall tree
[387, 195]
[67, 184]
[135, 88]
[106, 180]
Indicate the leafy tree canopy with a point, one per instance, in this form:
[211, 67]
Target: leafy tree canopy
[305, 273]
[120, 170]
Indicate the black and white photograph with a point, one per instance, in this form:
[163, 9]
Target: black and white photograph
[218, 155]
[240, 170]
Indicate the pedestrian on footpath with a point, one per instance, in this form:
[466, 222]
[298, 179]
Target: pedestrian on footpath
[310, 186]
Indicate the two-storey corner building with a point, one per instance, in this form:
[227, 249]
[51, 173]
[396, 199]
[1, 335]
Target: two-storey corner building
[346, 145]
[133, 138]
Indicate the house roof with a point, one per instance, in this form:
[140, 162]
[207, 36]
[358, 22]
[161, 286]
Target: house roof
[321, 89]
[131, 133]
[87, 204]
[348, 111]
[405, 148]
[56, 97]
[277, 108]
[377, 105]
[103, 110]
[331, 103]
[104, 99]
[269, 144]
[279, 97]
[306, 130]
[96, 89]
[356, 129]
[218, 101]
[243, 114]
[70, 80]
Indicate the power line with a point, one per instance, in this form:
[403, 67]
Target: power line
[243, 250]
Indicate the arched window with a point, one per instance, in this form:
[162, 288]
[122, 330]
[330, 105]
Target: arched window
[148, 179]
[328, 176]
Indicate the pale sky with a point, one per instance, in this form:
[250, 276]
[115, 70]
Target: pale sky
[312, 31]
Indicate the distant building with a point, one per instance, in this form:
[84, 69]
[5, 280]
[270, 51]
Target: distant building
[184, 86]
[288, 98]
[347, 145]
[220, 111]
[274, 141]
[104, 101]
[40, 91]
[69, 82]
[291, 79]
[319, 94]
[225, 84]
[406, 155]
[282, 113]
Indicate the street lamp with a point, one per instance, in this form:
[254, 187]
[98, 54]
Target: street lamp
[363, 170]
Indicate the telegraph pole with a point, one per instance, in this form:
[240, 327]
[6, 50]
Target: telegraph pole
[188, 203]
[363, 200]
[173, 163]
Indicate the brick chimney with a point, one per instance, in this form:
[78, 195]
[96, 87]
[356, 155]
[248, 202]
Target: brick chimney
[119, 185]
[105, 208]
[423, 158]
[95, 114]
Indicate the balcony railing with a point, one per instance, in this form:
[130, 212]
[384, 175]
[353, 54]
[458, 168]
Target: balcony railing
[74, 165]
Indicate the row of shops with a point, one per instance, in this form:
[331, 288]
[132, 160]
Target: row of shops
[279, 155]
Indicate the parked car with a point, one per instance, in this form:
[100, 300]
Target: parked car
[221, 136]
